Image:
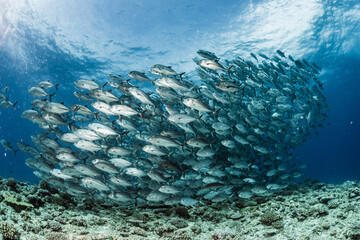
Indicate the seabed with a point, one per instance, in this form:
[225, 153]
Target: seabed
[311, 210]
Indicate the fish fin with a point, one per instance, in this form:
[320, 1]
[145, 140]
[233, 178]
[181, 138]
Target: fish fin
[56, 86]
[228, 69]
[14, 105]
[50, 96]
[141, 113]
[216, 111]
[181, 74]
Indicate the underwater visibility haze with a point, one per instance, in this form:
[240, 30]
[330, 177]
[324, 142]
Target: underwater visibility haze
[182, 102]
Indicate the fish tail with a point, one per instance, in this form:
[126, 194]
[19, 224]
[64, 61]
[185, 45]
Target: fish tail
[50, 96]
[228, 69]
[14, 105]
[181, 74]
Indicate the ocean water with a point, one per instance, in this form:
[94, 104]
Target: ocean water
[63, 41]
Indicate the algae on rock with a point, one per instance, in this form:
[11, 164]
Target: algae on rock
[17, 205]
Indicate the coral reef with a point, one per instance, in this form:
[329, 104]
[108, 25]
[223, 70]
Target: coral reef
[8, 231]
[305, 211]
[16, 203]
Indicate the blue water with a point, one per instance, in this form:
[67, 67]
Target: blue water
[64, 40]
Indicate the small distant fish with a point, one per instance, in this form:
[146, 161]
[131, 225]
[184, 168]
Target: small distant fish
[254, 56]
[7, 145]
[6, 104]
[280, 53]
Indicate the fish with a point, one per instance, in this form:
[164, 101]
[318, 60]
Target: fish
[127, 124]
[159, 69]
[86, 84]
[47, 85]
[197, 104]
[120, 181]
[57, 173]
[188, 202]
[86, 145]
[153, 150]
[102, 130]
[245, 194]
[87, 170]
[102, 95]
[27, 149]
[226, 133]
[280, 53]
[120, 162]
[157, 197]
[37, 92]
[6, 104]
[67, 157]
[120, 197]
[163, 141]
[123, 110]
[7, 145]
[140, 95]
[170, 82]
[94, 183]
[105, 166]
[118, 151]
[83, 96]
[207, 55]
[87, 134]
[140, 76]
[211, 64]
[228, 86]
[69, 138]
[54, 107]
[136, 172]
[156, 176]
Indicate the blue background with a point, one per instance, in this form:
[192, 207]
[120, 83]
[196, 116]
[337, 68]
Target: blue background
[64, 40]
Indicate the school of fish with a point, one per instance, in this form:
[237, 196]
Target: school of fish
[223, 134]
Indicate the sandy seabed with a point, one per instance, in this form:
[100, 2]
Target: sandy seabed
[303, 211]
